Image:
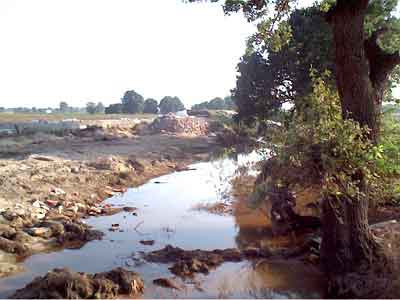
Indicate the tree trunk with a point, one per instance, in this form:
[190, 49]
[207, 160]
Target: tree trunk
[355, 88]
[362, 70]
[349, 249]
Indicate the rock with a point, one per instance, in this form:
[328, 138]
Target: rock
[188, 262]
[52, 203]
[102, 163]
[44, 232]
[6, 269]
[167, 283]
[78, 234]
[66, 284]
[41, 157]
[18, 248]
[20, 212]
[137, 165]
[109, 211]
[147, 243]
[129, 282]
[75, 170]
[57, 191]
[187, 268]
[9, 215]
[7, 231]
[129, 209]
[37, 204]
[23, 237]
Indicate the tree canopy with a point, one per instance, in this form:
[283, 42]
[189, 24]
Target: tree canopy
[114, 108]
[216, 104]
[93, 108]
[132, 102]
[266, 82]
[171, 104]
[150, 106]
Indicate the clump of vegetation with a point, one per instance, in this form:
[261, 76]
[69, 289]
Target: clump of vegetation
[216, 104]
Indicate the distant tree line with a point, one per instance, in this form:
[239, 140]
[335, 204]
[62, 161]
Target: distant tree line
[216, 104]
[134, 103]
[131, 103]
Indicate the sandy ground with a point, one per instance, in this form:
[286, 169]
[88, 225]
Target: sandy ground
[48, 183]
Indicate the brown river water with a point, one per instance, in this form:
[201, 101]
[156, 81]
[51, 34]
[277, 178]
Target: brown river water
[166, 214]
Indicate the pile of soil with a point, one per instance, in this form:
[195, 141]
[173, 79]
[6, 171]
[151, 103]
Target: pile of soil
[186, 263]
[66, 284]
[180, 125]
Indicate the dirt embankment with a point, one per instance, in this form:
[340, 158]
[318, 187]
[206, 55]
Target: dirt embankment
[48, 183]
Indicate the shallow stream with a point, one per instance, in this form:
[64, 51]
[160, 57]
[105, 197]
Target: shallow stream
[167, 214]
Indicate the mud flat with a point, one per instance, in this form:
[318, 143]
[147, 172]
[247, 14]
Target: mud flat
[50, 184]
[210, 255]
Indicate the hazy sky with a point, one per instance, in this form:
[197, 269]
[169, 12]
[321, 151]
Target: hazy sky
[94, 50]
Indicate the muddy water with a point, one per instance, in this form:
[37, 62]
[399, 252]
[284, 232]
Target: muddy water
[166, 214]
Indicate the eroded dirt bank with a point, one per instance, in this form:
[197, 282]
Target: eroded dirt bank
[48, 184]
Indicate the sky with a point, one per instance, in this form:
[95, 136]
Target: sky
[95, 50]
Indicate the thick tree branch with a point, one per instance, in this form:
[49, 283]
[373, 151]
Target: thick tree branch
[354, 7]
[381, 63]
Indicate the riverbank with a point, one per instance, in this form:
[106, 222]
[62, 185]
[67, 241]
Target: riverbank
[49, 184]
[167, 214]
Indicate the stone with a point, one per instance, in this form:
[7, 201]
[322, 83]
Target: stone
[7, 231]
[147, 242]
[37, 204]
[6, 269]
[18, 248]
[52, 203]
[167, 283]
[40, 232]
[57, 191]
[129, 209]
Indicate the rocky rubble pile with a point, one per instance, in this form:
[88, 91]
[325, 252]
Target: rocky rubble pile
[180, 125]
[66, 284]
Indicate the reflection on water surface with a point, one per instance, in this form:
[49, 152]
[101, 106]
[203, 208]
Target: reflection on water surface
[166, 215]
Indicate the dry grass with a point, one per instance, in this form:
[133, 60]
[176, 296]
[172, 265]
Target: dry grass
[21, 117]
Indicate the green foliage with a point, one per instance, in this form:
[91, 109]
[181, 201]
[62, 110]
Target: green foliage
[320, 141]
[150, 106]
[93, 108]
[64, 107]
[132, 103]
[389, 143]
[90, 107]
[171, 104]
[265, 84]
[216, 104]
[114, 108]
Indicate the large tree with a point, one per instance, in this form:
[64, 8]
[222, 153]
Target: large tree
[363, 67]
[150, 106]
[266, 82]
[132, 102]
[171, 104]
